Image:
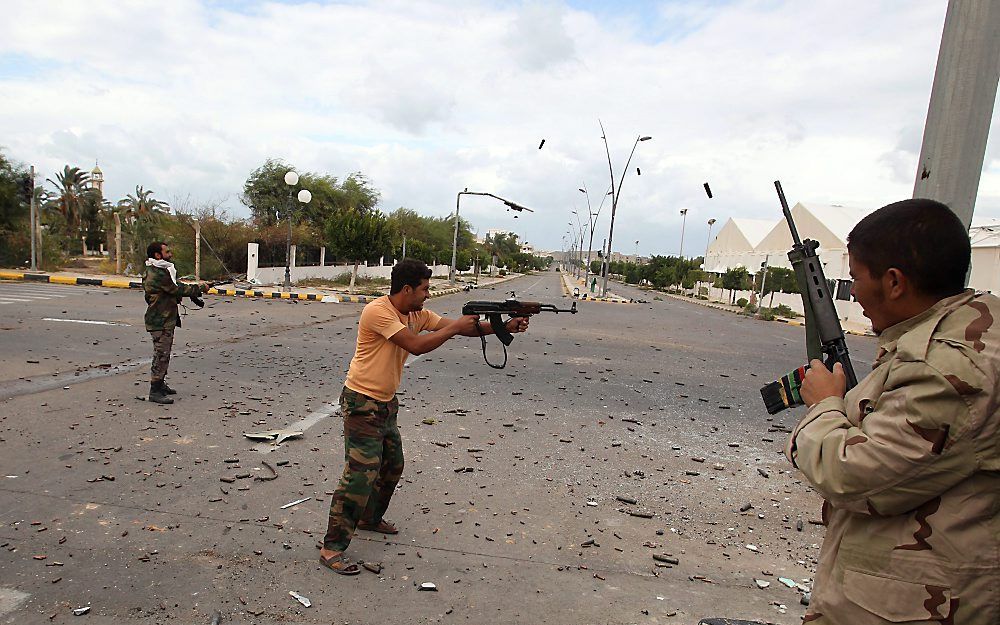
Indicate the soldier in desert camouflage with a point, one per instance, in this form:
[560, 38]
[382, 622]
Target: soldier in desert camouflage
[908, 463]
[163, 294]
[388, 332]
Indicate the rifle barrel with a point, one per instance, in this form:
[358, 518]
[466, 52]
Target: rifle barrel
[788, 213]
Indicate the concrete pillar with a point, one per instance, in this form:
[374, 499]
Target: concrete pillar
[961, 106]
[291, 263]
[252, 261]
[322, 257]
[118, 243]
[197, 250]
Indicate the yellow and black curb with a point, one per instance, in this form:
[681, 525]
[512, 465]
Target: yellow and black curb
[115, 283]
[124, 283]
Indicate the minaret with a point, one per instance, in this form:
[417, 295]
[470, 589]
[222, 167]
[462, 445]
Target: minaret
[97, 179]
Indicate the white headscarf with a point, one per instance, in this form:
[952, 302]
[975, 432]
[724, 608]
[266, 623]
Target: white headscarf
[163, 264]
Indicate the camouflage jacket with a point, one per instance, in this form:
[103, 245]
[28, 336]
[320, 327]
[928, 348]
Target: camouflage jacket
[909, 467]
[163, 296]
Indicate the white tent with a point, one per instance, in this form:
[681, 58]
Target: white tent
[985, 236]
[735, 243]
[826, 223]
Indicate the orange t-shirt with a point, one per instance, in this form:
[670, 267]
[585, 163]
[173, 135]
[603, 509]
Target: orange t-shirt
[377, 365]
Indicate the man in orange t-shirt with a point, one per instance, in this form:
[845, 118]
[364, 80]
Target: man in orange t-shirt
[389, 330]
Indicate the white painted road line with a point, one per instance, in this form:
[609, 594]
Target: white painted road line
[88, 321]
[11, 300]
[315, 417]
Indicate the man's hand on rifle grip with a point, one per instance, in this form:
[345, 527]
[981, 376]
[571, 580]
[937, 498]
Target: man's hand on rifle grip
[517, 324]
[821, 383]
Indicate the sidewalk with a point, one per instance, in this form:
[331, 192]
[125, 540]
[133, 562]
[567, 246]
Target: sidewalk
[849, 327]
[569, 283]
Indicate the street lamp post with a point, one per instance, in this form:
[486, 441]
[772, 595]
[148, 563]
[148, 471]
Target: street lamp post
[615, 195]
[304, 196]
[454, 242]
[704, 265]
[578, 261]
[684, 215]
[592, 219]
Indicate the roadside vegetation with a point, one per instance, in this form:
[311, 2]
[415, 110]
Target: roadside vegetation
[344, 216]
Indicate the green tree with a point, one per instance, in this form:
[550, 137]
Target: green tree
[736, 279]
[70, 185]
[15, 241]
[357, 236]
[142, 204]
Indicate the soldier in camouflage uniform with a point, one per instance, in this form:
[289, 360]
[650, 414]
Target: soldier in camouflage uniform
[388, 331]
[908, 462]
[163, 294]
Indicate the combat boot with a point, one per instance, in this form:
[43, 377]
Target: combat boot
[167, 390]
[156, 394]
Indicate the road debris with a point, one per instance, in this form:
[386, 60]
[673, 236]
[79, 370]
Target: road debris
[428, 586]
[303, 600]
[267, 478]
[277, 437]
[295, 503]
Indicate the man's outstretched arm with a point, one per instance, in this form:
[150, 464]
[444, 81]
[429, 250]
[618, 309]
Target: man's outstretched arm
[418, 344]
[515, 324]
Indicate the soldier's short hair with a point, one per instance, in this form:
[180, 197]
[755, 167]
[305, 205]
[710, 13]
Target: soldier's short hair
[408, 272]
[154, 248]
[922, 238]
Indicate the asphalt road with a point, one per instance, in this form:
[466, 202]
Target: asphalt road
[509, 502]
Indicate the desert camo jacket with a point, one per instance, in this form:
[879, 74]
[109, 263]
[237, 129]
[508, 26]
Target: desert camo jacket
[162, 296]
[909, 467]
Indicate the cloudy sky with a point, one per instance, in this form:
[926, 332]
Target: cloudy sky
[427, 98]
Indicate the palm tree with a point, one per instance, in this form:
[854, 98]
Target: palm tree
[142, 204]
[70, 186]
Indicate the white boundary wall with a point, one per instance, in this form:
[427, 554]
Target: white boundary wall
[276, 275]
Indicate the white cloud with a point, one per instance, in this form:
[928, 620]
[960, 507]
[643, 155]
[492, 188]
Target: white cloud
[428, 98]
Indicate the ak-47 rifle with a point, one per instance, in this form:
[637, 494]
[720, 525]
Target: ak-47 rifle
[494, 311]
[200, 303]
[824, 336]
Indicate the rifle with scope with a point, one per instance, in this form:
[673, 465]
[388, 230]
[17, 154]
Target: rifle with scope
[824, 336]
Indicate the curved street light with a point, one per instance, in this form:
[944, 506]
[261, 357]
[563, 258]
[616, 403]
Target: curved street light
[615, 195]
[684, 215]
[593, 226]
[454, 242]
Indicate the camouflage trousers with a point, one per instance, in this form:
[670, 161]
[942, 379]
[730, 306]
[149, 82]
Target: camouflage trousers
[373, 464]
[163, 342]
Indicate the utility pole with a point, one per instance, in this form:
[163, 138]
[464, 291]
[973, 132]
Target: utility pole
[961, 106]
[197, 250]
[34, 219]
